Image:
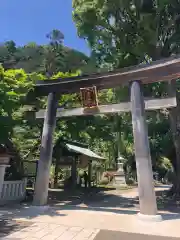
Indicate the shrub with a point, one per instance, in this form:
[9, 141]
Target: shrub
[104, 181]
[109, 175]
[130, 181]
[81, 173]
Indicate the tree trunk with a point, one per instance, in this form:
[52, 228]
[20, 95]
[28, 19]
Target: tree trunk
[117, 130]
[174, 115]
[56, 171]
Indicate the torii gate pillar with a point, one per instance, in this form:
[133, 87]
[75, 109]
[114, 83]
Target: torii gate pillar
[147, 198]
[44, 164]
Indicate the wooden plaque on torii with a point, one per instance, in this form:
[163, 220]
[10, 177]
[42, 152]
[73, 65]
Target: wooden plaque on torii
[89, 99]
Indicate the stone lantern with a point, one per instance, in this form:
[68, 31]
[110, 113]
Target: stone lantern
[119, 176]
[4, 161]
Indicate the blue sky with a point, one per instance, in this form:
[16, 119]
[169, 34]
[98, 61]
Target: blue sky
[29, 21]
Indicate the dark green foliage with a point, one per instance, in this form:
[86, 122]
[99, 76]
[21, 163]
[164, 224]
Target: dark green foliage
[46, 59]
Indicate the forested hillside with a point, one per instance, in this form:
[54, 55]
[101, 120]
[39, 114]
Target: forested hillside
[40, 58]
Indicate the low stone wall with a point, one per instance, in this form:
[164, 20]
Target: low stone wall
[13, 191]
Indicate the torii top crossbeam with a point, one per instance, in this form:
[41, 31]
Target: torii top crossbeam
[161, 70]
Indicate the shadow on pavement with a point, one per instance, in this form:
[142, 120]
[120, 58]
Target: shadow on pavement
[110, 198]
[94, 199]
[8, 226]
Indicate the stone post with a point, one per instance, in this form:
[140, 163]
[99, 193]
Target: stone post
[74, 172]
[119, 176]
[2, 173]
[4, 160]
[44, 164]
[147, 198]
[89, 173]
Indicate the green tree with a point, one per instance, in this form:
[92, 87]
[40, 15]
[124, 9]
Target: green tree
[14, 86]
[54, 53]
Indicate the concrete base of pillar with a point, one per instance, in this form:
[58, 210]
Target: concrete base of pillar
[38, 209]
[30, 212]
[45, 207]
[120, 186]
[149, 218]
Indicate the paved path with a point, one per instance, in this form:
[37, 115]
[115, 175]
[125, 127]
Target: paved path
[84, 222]
[52, 231]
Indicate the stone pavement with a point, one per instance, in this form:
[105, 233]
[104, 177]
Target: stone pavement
[82, 222]
[52, 231]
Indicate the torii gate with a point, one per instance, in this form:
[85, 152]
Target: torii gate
[163, 70]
